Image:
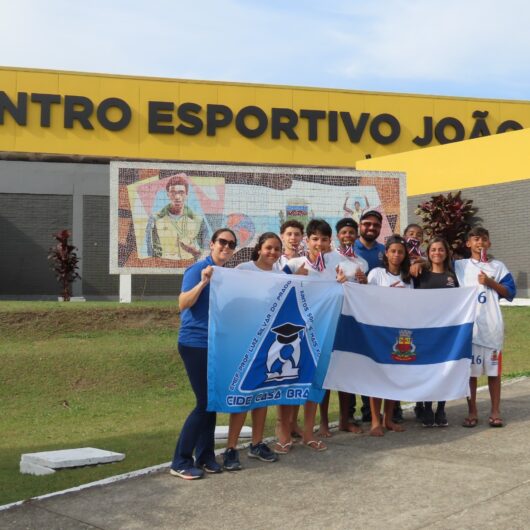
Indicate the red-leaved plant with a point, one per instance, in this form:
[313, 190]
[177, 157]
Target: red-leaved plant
[64, 261]
[448, 216]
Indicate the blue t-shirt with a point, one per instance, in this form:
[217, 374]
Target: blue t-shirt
[374, 255]
[194, 320]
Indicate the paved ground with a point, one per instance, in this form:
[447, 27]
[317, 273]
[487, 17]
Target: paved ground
[423, 478]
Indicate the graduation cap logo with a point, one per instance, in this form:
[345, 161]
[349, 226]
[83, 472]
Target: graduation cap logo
[285, 355]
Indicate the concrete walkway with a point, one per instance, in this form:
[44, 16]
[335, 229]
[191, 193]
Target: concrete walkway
[423, 478]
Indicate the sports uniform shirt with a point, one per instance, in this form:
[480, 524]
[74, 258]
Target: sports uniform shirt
[435, 280]
[361, 263]
[373, 256]
[488, 330]
[280, 264]
[194, 320]
[331, 260]
[380, 276]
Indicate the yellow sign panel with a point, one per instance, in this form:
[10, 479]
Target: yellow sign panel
[69, 113]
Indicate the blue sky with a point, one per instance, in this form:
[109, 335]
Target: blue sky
[475, 48]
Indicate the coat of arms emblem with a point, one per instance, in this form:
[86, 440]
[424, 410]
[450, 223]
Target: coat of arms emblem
[404, 349]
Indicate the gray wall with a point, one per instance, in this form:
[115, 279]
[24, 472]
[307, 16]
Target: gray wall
[504, 211]
[40, 198]
[27, 223]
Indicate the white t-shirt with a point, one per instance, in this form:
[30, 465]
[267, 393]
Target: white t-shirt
[380, 276]
[251, 266]
[361, 263]
[281, 263]
[488, 330]
[331, 261]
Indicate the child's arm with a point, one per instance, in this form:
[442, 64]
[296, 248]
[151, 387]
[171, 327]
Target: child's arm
[418, 267]
[302, 270]
[499, 288]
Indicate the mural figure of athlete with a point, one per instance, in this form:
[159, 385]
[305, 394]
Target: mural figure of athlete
[176, 232]
[357, 211]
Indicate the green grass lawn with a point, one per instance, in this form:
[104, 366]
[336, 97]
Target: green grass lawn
[108, 375]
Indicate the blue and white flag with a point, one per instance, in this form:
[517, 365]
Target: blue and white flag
[403, 344]
[266, 334]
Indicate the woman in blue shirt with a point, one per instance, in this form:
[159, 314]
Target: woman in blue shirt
[198, 431]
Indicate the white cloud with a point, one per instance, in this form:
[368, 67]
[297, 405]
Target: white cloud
[458, 47]
[448, 40]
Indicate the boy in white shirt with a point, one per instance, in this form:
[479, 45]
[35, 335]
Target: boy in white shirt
[496, 282]
[347, 231]
[320, 262]
[291, 234]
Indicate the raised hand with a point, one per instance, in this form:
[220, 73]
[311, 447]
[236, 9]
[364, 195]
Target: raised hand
[302, 270]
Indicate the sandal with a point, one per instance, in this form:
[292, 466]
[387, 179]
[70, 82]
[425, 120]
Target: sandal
[496, 422]
[316, 445]
[470, 422]
[282, 449]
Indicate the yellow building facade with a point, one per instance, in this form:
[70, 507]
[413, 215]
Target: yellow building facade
[108, 116]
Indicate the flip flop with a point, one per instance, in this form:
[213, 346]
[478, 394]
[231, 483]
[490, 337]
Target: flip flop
[316, 445]
[324, 434]
[470, 422]
[282, 449]
[496, 422]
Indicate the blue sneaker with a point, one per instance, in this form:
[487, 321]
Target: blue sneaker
[262, 452]
[231, 460]
[190, 473]
[211, 467]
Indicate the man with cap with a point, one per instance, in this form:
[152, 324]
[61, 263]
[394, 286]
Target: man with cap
[366, 246]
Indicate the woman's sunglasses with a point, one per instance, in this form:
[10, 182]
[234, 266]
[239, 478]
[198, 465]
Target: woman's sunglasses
[225, 242]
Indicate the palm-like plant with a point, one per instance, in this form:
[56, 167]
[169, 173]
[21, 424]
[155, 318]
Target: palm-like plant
[64, 261]
[448, 216]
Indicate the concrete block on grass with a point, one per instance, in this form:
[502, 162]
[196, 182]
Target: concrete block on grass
[83, 456]
[27, 468]
[221, 432]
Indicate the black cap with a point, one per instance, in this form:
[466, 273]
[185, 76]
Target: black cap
[346, 221]
[288, 332]
[372, 213]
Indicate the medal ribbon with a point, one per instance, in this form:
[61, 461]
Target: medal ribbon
[319, 264]
[348, 252]
[413, 245]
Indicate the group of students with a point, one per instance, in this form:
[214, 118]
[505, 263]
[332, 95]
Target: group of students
[400, 263]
